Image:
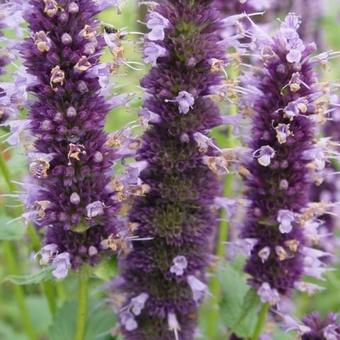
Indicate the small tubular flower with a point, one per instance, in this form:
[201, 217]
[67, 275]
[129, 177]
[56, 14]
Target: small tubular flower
[175, 216]
[71, 160]
[314, 327]
[281, 166]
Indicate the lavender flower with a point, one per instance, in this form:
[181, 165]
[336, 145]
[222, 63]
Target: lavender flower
[241, 6]
[285, 99]
[313, 327]
[71, 162]
[311, 12]
[4, 60]
[327, 329]
[182, 164]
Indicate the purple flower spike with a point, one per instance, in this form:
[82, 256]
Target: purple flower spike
[174, 221]
[282, 164]
[313, 327]
[75, 200]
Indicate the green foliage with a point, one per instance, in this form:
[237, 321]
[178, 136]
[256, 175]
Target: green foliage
[106, 270]
[99, 324]
[238, 302]
[11, 230]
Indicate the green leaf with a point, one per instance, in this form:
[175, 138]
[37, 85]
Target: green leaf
[238, 303]
[106, 270]
[250, 302]
[11, 231]
[39, 313]
[100, 322]
[30, 279]
[64, 324]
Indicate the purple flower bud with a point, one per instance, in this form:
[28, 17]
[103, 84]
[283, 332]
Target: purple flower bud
[66, 39]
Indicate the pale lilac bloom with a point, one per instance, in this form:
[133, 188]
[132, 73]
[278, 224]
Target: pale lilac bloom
[241, 246]
[198, 288]
[294, 44]
[61, 264]
[307, 287]
[185, 101]
[47, 253]
[267, 294]
[264, 155]
[152, 52]
[173, 324]
[264, 254]
[180, 263]
[95, 209]
[137, 303]
[128, 321]
[156, 23]
[148, 116]
[285, 218]
[17, 127]
[282, 133]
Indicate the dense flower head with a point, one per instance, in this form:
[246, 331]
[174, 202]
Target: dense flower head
[314, 327]
[71, 195]
[163, 276]
[285, 100]
[318, 328]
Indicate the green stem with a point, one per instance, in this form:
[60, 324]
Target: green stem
[82, 303]
[61, 292]
[214, 286]
[50, 294]
[261, 321]
[6, 174]
[18, 291]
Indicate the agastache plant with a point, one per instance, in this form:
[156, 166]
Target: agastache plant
[70, 195]
[284, 160]
[163, 276]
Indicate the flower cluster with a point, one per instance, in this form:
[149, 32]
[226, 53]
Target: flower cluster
[284, 160]
[71, 194]
[163, 276]
[313, 327]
